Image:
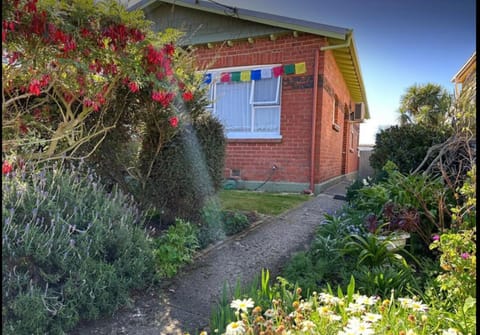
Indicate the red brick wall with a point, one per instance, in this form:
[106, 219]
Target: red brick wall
[332, 144]
[255, 158]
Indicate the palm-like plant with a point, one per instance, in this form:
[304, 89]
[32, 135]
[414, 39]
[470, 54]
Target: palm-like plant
[427, 104]
[372, 251]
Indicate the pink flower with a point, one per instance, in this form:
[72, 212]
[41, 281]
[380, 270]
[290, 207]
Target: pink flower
[465, 255]
[6, 167]
[173, 121]
[436, 237]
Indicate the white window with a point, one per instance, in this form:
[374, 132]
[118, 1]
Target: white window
[247, 109]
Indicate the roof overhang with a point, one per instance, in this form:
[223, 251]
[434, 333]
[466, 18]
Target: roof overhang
[347, 61]
[467, 68]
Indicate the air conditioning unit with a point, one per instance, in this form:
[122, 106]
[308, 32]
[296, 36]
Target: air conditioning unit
[359, 112]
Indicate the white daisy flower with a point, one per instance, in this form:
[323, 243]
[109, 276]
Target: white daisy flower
[242, 305]
[235, 328]
[371, 317]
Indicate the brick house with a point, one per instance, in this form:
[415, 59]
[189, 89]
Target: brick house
[289, 92]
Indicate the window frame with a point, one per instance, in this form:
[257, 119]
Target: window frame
[253, 106]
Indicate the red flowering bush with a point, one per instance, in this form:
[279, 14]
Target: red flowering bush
[65, 62]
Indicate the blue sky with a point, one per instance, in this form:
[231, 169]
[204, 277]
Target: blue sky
[399, 43]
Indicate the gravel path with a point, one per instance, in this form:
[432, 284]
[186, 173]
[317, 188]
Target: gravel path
[184, 303]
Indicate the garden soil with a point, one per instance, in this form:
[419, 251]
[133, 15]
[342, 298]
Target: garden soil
[183, 304]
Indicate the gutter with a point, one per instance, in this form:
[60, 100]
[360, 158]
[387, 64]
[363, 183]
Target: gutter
[339, 46]
[314, 122]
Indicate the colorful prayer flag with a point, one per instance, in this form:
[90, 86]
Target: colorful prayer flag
[289, 69]
[266, 73]
[256, 74]
[277, 71]
[235, 76]
[207, 78]
[300, 68]
[245, 75]
[225, 77]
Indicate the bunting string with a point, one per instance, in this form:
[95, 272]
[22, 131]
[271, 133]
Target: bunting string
[258, 74]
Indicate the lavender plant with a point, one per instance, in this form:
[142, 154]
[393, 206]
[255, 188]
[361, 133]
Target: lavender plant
[70, 249]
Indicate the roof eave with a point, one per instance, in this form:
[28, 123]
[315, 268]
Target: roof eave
[249, 15]
[347, 60]
[460, 75]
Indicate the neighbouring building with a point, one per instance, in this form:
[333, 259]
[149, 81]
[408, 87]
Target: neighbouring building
[466, 75]
[289, 92]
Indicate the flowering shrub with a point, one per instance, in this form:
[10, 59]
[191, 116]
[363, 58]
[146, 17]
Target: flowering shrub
[454, 289]
[67, 61]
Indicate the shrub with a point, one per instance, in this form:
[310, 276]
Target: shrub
[416, 192]
[406, 145]
[175, 248]
[352, 189]
[324, 262]
[234, 222]
[70, 250]
[187, 169]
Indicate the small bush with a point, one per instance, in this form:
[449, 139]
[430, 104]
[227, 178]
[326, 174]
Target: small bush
[175, 248]
[70, 250]
[352, 190]
[234, 222]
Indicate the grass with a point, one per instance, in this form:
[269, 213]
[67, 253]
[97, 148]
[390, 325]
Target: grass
[260, 202]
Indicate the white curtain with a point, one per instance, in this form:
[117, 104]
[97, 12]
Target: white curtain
[232, 106]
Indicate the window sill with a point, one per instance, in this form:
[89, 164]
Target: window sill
[336, 127]
[253, 136]
[254, 140]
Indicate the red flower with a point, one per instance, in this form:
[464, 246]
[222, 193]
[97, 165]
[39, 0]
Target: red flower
[173, 121]
[187, 96]
[169, 49]
[85, 32]
[163, 97]
[133, 86]
[23, 128]
[100, 99]
[44, 80]
[153, 56]
[34, 87]
[6, 167]
[31, 6]
[136, 35]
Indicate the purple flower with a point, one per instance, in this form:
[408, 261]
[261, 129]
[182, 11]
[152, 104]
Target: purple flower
[465, 255]
[436, 237]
